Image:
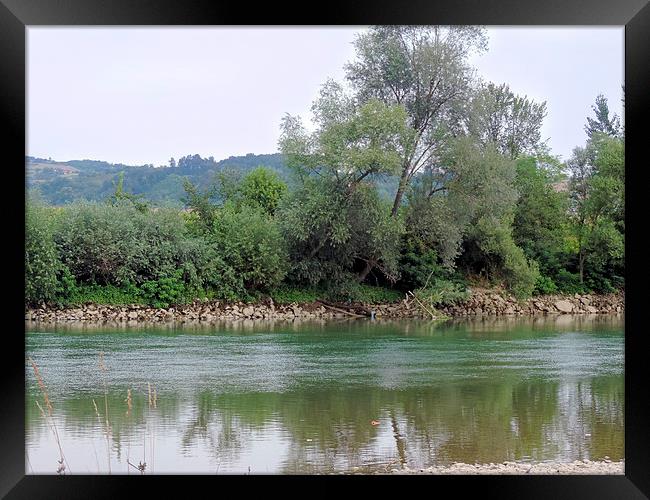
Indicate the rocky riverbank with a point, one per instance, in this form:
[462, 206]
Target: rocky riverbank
[578, 467]
[481, 302]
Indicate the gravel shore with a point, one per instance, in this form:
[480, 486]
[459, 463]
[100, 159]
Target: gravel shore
[543, 468]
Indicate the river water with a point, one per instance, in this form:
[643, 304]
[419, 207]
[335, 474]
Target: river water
[321, 397]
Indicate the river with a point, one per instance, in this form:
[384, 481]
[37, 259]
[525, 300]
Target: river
[324, 397]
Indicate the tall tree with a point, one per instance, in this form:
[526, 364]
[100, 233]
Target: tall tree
[335, 213]
[603, 123]
[424, 69]
[509, 121]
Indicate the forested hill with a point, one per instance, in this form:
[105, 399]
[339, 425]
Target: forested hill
[62, 182]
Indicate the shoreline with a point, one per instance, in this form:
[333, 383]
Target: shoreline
[577, 467]
[481, 303]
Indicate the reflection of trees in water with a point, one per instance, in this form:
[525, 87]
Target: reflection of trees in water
[330, 428]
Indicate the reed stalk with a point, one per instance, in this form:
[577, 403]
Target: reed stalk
[63, 463]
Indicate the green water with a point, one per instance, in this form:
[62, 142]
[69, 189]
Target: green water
[300, 398]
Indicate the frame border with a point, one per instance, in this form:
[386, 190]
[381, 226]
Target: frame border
[16, 15]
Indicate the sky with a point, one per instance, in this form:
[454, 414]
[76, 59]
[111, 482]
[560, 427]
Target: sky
[141, 95]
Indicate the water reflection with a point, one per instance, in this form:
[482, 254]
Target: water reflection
[522, 391]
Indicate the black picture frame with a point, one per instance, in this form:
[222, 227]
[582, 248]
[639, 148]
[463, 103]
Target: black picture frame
[16, 15]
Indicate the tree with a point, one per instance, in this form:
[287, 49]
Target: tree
[540, 225]
[602, 123]
[262, 188]
[597, 204]
[200, 204]
[509, 121]
[423, 69]
[335, 206]
[120, 195]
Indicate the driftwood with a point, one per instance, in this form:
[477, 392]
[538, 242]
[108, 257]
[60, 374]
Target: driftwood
[337, 308]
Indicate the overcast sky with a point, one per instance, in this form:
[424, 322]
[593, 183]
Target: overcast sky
[143, 95]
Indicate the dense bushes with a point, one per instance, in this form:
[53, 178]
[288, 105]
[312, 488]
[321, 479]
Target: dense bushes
[42, 263]
[250, 243]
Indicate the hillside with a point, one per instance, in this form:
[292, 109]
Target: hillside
[63, 182]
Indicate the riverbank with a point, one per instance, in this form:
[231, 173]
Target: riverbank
[577, 467]
[482, 302]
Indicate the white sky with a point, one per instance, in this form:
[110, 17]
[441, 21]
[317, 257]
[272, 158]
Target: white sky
[143, 95]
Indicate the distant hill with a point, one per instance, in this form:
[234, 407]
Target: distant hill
[63, 182]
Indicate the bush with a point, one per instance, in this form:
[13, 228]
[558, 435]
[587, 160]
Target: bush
[442, 293]
[164, 291]
[42, 262]
[418, 264]
[352, 291]
[545, 286]
[250, 242]
[106, 294]
[262, 188]
[286, 294]
[569, 283]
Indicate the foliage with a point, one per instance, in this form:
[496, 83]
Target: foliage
[42, 263]
[419, 263]
[541, 222]
[569, 283]
[513, 123]
[285, 294]
[353, 291]
[262, 188]
[334, 218]
[441, 292]
[545, 286]
[423, 69]
[602, 123]
[105, 295]
[250, 243]
[164, 291]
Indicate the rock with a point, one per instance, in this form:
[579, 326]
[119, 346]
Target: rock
[564, 306]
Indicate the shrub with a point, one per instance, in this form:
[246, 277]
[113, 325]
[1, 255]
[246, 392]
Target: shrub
[164, 291]
[418, 264]
[569, 283]
[42, 262]
[545, 286]
[250, 242]
[106, 294]
[262, 188]
[286, 294]
[352, 291]
[442, 293]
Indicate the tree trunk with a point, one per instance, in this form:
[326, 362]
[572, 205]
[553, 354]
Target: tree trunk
[581, 265]
[400, 191]
[370, 264]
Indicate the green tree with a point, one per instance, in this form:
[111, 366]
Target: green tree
[597, 188]
[497, 115]
[250, 242]
[603, 123]
[425, 70]
[335, 209]
[541, 223]
[262, 188]
[199, 202]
